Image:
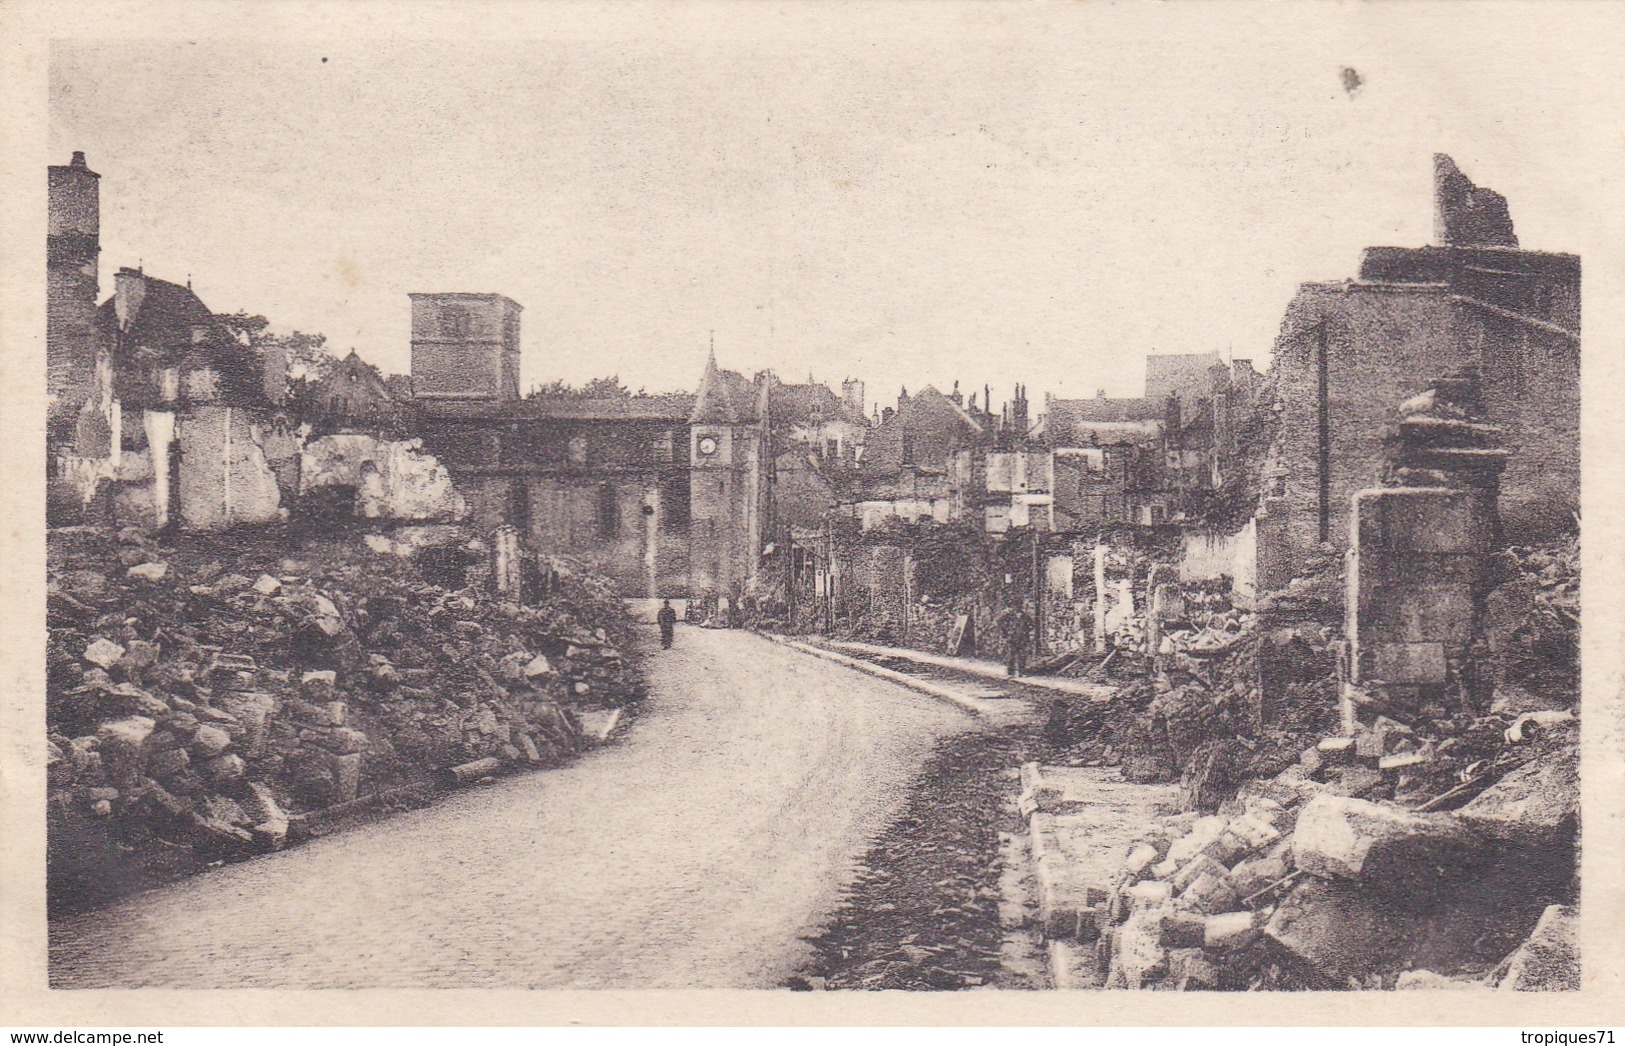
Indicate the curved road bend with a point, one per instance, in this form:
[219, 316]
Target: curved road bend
[693, 852]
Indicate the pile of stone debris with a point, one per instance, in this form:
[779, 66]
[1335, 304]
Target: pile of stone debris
[1425, 857]
[196, 711]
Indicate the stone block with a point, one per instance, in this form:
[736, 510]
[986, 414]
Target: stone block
[210, 741]
[103, 652]
[1196, 867]
[1149, 894]
[1339, 837]
[122, 744]
[1183, 929]
[149, 571]
[1338, 930]
[167, 763]
[226, 767]
[1417, 612]
[1203, 832]
[346, 776]
[1211, 894]
[1230, 930]
[1252, 875]
[1427, 980]
[1549, 960]
[1137, 951]
[1421, 519]
[1190, 970]
[1418, 664]
[1139, 859]
[1536, 805]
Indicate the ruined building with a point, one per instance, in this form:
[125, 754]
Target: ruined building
[1350, 349]
[73, 245]
[157, 411]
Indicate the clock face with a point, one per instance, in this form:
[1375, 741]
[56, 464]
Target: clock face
[708, 446]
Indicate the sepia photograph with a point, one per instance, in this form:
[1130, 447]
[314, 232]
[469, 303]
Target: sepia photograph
[1023, 501]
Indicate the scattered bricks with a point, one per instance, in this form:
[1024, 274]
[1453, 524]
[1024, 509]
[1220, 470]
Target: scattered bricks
[346, 776]
[1210, 894]
[209, 741]
[1200, 865]
[149, 571]
[1140, 859]
[1549, 960]
[1344, 838]
[1190, 970]
[226, 767]
[1536, 805]
[1229, 930]
[1311, 759]
[1183, 929]
[582, 689]
[538, 666]
[528, 747]
[325, 677]
[103, 653]
[267, 585]
[336, 713]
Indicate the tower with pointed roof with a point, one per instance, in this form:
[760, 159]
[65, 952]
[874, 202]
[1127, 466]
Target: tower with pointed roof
[727, 451]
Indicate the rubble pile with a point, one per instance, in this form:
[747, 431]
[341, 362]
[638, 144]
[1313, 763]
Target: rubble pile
[1401, 857]
[1534, 627]
[196, 712]
[1231, 694]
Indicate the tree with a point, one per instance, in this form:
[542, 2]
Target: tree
[306, 354]
[609, 388]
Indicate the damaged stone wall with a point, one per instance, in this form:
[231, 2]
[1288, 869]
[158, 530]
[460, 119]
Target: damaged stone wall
[225, 478]
[1349, 350]
[392, 479]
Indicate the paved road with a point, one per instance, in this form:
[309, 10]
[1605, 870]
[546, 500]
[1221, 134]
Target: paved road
[694, 851]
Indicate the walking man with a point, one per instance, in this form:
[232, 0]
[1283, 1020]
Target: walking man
[1016, 626]
[667, 619]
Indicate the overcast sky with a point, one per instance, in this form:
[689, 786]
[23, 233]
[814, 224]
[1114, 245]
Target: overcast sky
[1025, 193]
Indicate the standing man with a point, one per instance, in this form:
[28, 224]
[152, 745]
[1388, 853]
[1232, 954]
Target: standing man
[1016, 626]
[667, 619]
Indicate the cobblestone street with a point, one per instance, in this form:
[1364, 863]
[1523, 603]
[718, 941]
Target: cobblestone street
[695, 851]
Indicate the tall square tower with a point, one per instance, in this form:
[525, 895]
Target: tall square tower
[465, 347]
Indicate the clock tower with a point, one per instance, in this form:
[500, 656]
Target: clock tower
[725, 488]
